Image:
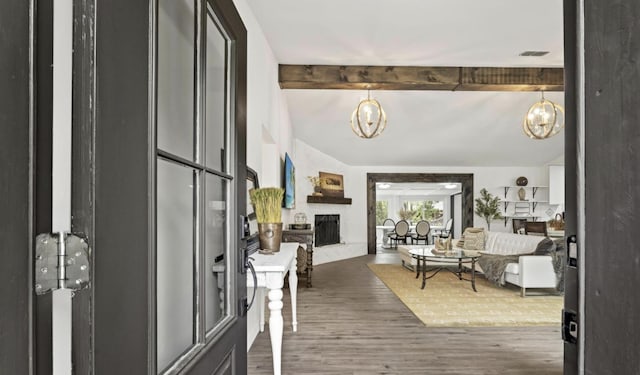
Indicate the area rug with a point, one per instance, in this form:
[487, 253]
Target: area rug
[448, 302]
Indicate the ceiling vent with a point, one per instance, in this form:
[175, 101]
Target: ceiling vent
[534, 53]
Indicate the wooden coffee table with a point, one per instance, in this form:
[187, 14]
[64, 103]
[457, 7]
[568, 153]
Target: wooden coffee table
[458, 257]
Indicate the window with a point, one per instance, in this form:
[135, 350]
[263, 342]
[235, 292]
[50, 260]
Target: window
[382, 211]
[429, 210]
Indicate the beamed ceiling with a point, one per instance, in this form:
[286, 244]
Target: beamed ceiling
[447, 78]
[449, 75]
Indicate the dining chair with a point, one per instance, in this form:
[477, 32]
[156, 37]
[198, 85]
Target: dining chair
[388, 222]
[446, 231]
[400, 233]
[422, 232]
[535, 228]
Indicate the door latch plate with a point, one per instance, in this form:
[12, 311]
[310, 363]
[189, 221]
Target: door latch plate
[570, 326]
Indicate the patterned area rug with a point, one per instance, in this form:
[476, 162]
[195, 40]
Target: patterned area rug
[449, 302]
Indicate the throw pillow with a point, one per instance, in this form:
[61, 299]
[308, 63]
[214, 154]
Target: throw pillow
[474, 239]
[545, 247]
[460, 242]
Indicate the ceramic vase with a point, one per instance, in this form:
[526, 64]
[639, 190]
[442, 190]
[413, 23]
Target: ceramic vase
[522, 194]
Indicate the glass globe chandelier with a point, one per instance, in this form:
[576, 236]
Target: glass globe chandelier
[368, 119]
[543, 120]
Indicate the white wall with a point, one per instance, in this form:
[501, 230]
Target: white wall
[353, 226]
[353, 218]
[269, 134]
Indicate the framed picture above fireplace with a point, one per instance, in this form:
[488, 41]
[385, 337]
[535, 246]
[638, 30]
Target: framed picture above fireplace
[332, 184]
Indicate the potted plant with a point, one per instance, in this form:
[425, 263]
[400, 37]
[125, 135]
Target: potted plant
[267, 203]
[406, 214]
[488, 207]
[316, 182]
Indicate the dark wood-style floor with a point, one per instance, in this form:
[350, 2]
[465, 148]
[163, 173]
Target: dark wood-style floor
[350, 323]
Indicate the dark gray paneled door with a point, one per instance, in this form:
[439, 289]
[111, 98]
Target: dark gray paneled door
[611, 194]
[602, 81]
[159, 159]
[16, 198]
[162, 222]
[572, 283]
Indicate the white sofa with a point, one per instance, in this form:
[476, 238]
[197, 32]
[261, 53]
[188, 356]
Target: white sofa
[532, 271]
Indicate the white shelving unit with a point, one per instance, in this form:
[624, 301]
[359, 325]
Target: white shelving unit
[522, 209]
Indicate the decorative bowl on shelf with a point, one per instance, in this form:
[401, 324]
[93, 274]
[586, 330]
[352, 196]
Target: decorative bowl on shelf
[522, 181]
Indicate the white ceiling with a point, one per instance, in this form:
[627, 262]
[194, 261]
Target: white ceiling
[439, 128]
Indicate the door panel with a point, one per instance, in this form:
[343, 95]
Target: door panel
[141, 139]
[571, 286]
[176, 73]
[83, 182]
[16, 215]
[226, 367]
[175, 260]
[215, 243]
[216, 100]
[611, 194]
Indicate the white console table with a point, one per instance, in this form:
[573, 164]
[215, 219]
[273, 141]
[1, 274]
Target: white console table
[270, 272]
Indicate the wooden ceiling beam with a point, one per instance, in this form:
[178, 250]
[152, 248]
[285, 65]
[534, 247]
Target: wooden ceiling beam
[420, 78]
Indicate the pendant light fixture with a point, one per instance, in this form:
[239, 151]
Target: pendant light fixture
[368, 119]
[543, 120]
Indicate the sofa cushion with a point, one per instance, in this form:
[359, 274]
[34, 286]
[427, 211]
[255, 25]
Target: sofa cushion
[474, 239]
[509, 243]
[512, 268]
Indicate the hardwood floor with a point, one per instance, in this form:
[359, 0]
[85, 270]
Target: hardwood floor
[350, 323]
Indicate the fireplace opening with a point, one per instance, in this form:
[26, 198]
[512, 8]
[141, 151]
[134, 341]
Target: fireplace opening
[327, 229]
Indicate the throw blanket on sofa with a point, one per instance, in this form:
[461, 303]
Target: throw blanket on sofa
[554, 249]
[558, 256]
[493, 265]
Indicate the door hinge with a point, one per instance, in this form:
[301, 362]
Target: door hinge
[569, 326]
[61, 262]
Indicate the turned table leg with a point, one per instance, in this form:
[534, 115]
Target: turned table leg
[276, 324]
